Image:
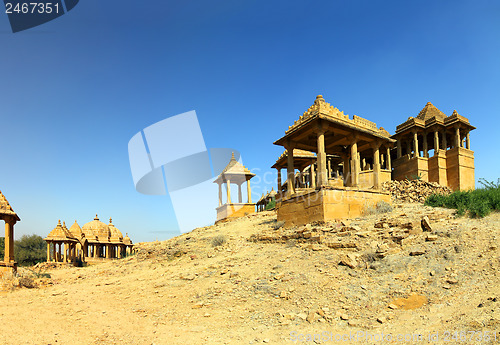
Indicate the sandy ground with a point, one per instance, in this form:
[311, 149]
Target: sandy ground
[272, 288]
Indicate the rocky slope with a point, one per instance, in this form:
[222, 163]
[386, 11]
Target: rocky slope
[413, 270]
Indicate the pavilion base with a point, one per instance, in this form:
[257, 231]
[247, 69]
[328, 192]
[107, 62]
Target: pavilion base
[234, 210]
[7, 268]
[328, 204]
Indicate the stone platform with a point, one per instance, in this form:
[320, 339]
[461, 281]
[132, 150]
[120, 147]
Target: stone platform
[328, 204]
[7, 268]
[234, 210]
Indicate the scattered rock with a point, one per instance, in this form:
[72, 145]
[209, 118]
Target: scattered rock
[348, 260]
[431, 238]
[426, 225]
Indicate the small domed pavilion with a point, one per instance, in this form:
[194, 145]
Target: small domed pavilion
[95, 240]
[236, 173]
[10, 218]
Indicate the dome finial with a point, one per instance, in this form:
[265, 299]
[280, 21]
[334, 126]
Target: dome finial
[110, 220]
[96, 218]
[59, 223]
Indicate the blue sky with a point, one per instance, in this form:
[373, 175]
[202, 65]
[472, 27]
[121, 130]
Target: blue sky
[75, 90]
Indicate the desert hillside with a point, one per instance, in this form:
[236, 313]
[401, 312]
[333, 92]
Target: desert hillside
[249, 281]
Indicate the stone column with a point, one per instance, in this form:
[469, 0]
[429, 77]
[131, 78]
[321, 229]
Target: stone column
[9, 240]
[322, 173]
[416, 153]
[426, 149]
[95, 250]
[240, 199]
[345, 169]
[436, 142]
[329, 169]
[467, 141]
[108, 251]
[445, 143]
[388, 159]
[376, 166]
[313, 177]
[363, 164]
[249, 192]
[220, 193]
[290, 171]
[354, 163]
[399, 150]
[228, 191]
[48, 251]
[279, 180]
[65, 257]
[457, 136]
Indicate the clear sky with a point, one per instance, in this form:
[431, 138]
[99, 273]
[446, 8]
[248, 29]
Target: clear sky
[74, 91]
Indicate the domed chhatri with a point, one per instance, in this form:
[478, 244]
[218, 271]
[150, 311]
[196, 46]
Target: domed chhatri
[93, 241]
[235, 173]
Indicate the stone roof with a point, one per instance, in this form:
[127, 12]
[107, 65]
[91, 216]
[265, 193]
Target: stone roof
[301, 157]
[430, 111]
[235, 167]
[60, 233]
[5, 208]
[297, 153]
[323, 108]
[429, 117]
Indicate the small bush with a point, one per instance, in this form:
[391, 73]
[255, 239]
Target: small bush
[218, 240]
[278, 225]
[383, 207]
[27, 282]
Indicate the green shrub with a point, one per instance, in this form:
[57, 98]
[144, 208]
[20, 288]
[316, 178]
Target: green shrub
[478, 203]
[30, 250]
[270, 205]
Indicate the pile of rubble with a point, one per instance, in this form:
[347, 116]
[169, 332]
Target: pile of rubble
[413, 190]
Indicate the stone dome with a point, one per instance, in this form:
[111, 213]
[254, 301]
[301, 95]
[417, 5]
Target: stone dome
[126, 239]
[116, 234]
[75, 230]
[96, 229]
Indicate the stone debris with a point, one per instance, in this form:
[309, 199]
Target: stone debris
[426, 224]
[431, 238]
[348, 260]
[413, 190]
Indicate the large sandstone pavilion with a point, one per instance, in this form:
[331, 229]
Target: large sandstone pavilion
[326, 130]
[94, 241]
[354, 157]
[452, 162]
